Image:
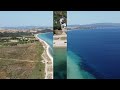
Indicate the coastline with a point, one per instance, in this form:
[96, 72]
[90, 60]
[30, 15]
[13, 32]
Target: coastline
[47, 58]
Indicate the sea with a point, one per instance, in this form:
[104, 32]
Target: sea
[90, 54]
[93, 54]
[48, 38]
[59, 57]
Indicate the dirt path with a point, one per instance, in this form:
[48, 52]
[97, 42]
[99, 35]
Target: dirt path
[18, 60]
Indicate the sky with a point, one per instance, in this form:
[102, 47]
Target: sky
[45, 18]
[90, 17]
[26, 18]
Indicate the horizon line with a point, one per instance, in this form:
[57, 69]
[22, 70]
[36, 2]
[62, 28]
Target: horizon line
[96, 23]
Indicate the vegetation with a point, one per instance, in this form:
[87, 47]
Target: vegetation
[17, 34]
[57, 15]
[39, 69]
[11, 39]
[20, 56]
[22, 61]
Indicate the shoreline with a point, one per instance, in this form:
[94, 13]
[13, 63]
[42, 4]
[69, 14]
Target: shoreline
[49, 60]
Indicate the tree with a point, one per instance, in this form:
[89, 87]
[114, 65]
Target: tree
[56, 17]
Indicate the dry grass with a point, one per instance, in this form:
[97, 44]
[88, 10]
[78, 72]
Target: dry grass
[15, 61]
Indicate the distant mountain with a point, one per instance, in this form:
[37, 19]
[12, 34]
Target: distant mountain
[95, 26]
[103, 24]
[73, 25]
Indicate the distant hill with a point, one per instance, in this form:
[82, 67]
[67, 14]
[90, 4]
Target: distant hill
[95, 26]
[103, 24]
[27, 27]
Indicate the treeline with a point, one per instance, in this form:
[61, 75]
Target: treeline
[17, 34]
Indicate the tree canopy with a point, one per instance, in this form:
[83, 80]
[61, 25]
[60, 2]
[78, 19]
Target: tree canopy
[56, 17]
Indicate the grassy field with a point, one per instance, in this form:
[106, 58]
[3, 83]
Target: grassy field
[22, 61]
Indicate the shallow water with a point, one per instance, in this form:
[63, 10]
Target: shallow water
[60, 63]
[59, 57]
[48, 38]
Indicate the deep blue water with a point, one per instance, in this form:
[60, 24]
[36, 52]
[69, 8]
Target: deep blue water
[97, 52]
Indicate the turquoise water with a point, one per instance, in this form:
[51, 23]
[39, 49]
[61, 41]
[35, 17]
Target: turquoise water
[66, 63]
[74, 69]
[60, 63]
[59, 57]
[48, 38]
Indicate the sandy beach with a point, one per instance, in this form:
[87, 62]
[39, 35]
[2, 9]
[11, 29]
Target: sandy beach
[48, 59]
[58, 42]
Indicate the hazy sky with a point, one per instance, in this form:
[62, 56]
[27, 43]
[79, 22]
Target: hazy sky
[88, 17]
[45, 18]
[26, 18]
